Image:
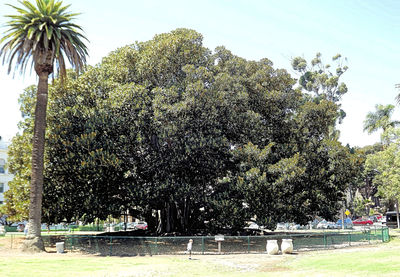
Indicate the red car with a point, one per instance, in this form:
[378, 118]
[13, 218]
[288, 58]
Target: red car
[361, 221]
[141, 225]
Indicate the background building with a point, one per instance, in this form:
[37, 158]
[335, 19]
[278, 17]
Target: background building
[5, 177]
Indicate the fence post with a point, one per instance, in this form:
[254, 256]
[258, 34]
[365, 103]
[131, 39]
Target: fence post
[202, 245]
[97, 246]
[369, 237]
[110, 245]
[387, 233]
[248, 244]
[156, 245]
[383, 239]
[325, 240]
[349, 238]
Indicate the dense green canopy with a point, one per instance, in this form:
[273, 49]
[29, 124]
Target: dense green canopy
[191, 139]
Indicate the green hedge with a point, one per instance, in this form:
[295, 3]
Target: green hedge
[87, 228]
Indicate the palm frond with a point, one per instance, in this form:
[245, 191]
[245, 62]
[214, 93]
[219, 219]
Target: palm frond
[397, 98]
[40, 29]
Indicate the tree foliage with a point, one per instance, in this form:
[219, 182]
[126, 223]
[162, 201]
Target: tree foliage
[386, 164]
[319, 78]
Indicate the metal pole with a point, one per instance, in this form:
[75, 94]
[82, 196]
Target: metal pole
[248, 244]
[342, 214]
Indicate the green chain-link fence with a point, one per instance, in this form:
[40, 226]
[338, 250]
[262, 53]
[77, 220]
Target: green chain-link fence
[133, 246]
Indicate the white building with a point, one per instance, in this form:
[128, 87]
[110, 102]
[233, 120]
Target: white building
[5, 177]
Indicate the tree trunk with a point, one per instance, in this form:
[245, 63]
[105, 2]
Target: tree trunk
[397, 213]
[160, 225]
[34, 240]
[186, 214]
[168, 215]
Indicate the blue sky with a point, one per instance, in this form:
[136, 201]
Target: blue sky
[366, 32]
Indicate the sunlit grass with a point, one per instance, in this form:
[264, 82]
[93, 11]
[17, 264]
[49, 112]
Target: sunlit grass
[60, 265]
[382, 260]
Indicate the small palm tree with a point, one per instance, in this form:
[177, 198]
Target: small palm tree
[42, 35]
[381, 118]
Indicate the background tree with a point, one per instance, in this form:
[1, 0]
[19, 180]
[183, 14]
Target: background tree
[363, 187]
[386, 164]
[42, 35]
[317, 77]
[19, 161]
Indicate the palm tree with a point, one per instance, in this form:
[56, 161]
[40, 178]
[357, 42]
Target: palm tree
[381, 118]
[41, 35]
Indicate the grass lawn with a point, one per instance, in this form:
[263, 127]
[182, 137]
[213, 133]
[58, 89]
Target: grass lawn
[66, 265]
[379, 261]
[375, 260]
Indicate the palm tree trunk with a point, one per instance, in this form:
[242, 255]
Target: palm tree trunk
[34, 241]
[397, 213]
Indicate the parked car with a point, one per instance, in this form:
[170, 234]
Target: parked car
[348, 224]
[131, 226]
[361, 221]
[376, 218]
[294, 226]
[282, 226]
[121, 226]
[141, 225]
[252, 226]
[313, 224]
[21, 227]
[391, 219]
[326, 225]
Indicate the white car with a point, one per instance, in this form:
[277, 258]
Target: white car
[326, 225]
[253, 226]
[282, 226]
[131, 226]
